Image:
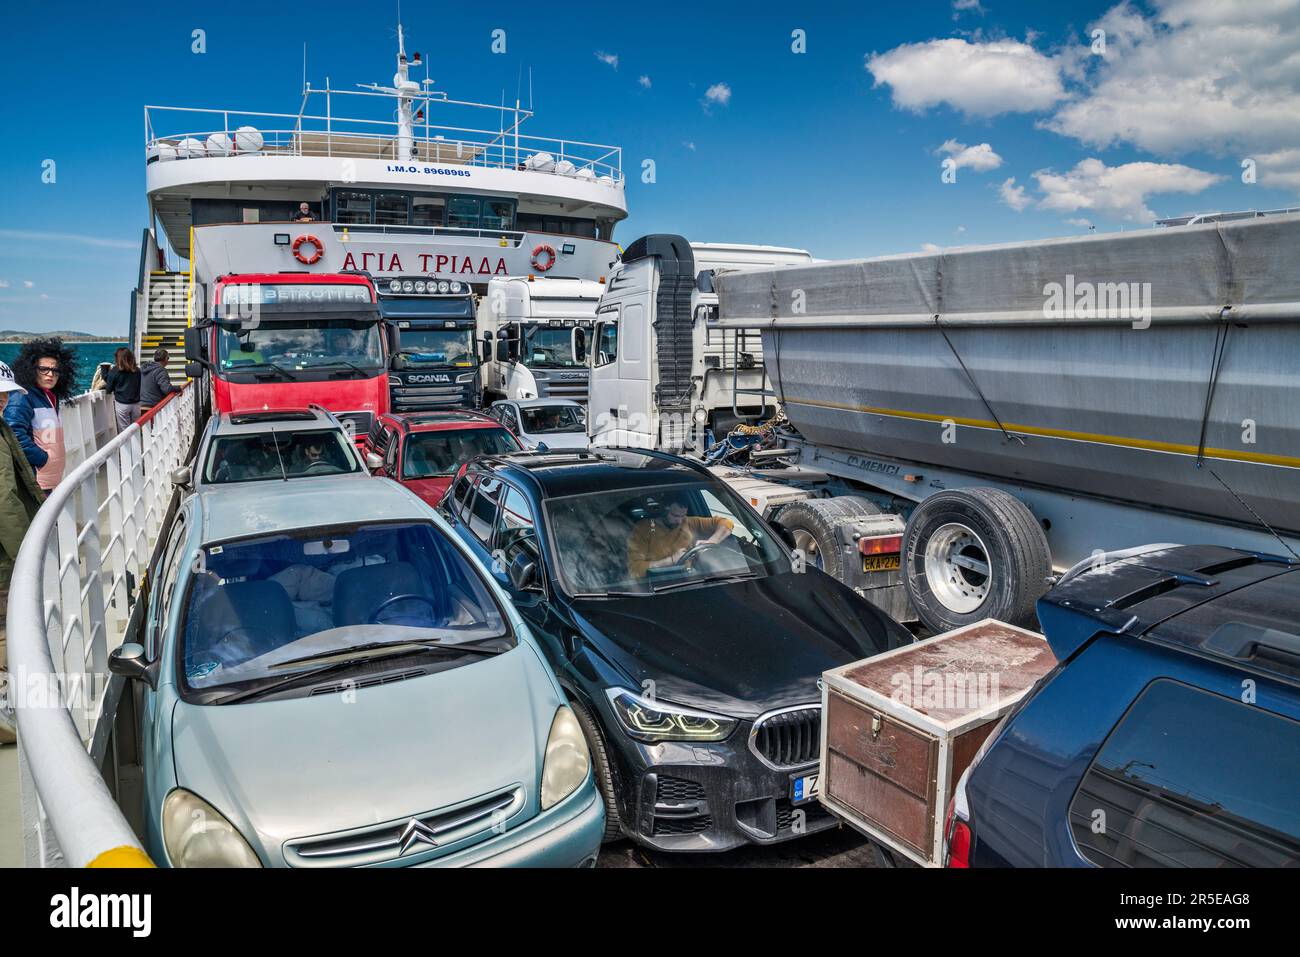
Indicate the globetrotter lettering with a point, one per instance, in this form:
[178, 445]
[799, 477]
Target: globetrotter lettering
[429, 263]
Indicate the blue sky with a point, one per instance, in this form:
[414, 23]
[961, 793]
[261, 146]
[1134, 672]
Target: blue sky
[837, 149]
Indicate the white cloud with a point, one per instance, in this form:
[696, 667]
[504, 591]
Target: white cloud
[719, 93]
[4, 283]
[609, 59]
[28, 235]
[977, 78]
[1117, 192]
[1280, 169]
[964, 6]
[644, 81]
[1013, 195]
[1081, 221]
[689, 144]
[980, 157]
[45, 295]
[1218, 75]
[28, 284]
[931, 248]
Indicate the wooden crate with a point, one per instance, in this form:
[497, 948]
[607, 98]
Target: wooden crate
[899, 729]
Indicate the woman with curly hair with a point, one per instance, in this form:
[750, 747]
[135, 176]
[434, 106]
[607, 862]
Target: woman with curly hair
[47, 369]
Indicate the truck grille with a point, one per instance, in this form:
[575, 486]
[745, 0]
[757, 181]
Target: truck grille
[375, 845]
[788, 739]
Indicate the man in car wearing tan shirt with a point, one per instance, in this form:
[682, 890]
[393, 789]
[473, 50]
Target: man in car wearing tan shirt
[660, 542]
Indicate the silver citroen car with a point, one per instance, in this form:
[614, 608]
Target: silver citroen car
[331, 679]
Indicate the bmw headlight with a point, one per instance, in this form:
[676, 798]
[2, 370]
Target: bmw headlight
[565, 766]
[654, 721]
[197, 835]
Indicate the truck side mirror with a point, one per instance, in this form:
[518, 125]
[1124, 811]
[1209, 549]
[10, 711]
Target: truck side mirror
[704, 281]
[194, 344]
[579, 345]
[194, 370]
[487, 348]
[394, 340]
[503, 350]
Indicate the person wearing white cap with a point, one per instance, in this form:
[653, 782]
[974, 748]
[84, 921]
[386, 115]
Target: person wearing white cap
[20, 497]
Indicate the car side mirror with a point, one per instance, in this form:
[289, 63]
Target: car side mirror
[785, 535]
[523, 573]
[374, 462]
[181, 477]
[128, 661]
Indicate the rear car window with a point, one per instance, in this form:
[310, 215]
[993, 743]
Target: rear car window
[1192, 779]
[262, 456]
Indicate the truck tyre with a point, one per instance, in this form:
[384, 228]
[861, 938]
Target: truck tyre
[813, 521]
[600, 767]
[971, 554]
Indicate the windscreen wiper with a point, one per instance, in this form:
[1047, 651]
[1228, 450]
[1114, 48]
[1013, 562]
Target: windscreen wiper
[343, 362]
[248, 366]
[390, 650]
[719, 580]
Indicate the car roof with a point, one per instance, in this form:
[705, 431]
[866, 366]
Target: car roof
[573, 472]
[440, 420]
[260, 421]
[238, 511]
[1181, 595]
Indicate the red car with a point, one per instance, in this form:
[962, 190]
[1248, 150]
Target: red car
[425, 450]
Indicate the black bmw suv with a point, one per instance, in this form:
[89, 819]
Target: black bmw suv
[688, 641]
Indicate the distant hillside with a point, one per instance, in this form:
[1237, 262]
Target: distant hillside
[18, 335]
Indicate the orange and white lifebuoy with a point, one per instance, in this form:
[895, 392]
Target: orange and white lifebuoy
[314, 257]
[551, 259]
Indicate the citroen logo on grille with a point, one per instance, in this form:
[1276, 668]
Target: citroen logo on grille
[415, 833]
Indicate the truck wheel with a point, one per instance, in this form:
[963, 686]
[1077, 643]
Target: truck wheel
[971, 554]
[813, 521]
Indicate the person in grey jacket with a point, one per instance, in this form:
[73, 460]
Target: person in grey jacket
[155, 381]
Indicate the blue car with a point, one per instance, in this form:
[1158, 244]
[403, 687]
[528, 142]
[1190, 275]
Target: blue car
[1169, 733]
[330, 679]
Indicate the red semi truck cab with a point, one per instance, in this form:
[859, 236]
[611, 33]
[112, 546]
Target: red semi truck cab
[289, 340]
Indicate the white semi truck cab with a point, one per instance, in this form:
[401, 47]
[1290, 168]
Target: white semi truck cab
[538, 330]
[661, 376]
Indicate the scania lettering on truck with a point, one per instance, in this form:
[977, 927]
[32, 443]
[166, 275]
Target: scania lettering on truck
[287, 340]
[661, 376]
[436, 364]
[536, 331]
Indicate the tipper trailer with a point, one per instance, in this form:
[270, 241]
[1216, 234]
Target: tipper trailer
[1027, 406]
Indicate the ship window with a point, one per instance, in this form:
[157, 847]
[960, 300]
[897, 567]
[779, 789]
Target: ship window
[351, 207]
[392, 209]
[463, 212]
[498, 214]
[428, 210]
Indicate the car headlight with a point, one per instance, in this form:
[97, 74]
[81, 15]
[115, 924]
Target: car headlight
[197, 835]
[653, 721]
[565, 765]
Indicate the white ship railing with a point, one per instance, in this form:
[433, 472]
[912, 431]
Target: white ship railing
[306, 134]
[75, 582]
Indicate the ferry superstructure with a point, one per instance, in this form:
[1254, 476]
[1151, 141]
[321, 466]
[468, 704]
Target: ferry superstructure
[404, 199]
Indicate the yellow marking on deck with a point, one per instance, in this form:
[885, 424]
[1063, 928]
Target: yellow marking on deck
[1229, 455]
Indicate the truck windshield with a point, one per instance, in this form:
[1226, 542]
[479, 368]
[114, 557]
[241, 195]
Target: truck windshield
[650, 540]
[289, 347]
[548, 347]
[264, 609]
[442, 347]
[442, 453]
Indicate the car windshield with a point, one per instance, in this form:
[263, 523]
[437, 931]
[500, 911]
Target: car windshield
[548, 347]
[651, 540]
[443, 453]
[259, 456]
[256, 607]
[444, 347]
[545, 419]
[289, 347]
